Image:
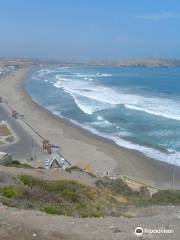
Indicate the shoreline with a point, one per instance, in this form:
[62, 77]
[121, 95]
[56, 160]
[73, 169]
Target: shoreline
[80, 145]
[92, 134]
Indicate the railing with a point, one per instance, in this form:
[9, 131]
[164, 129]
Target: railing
[15, 115]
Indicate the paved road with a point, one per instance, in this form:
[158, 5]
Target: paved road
[25, 146]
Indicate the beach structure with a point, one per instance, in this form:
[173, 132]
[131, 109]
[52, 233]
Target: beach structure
[1, 100]
[14, 114]
[56, 161]
[51, 148]
[45, 144]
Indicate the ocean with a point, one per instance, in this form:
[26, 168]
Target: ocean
[137, 108]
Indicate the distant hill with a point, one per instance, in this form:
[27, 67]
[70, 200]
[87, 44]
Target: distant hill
[138, 63]
[19, 62]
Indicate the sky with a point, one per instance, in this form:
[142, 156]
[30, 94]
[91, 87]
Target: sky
[90, 29]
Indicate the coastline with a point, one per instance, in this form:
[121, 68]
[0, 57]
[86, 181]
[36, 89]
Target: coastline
[79, 145]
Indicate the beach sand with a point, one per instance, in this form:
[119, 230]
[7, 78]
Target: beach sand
[79, 146]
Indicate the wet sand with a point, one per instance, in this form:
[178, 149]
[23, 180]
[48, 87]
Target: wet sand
[81, 147]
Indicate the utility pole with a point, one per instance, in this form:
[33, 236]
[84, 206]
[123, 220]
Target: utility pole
[33, 151]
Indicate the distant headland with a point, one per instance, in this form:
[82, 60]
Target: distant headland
[139, 63]
[149, 62]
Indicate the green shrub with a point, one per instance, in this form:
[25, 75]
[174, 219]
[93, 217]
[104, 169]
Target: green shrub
[8, 202]
[70, 195]
[79, 210]
[166, 197]
[9, 192]
[117, 187]
[92, 213]
[27, 180]
[58, 209]
[69, 190]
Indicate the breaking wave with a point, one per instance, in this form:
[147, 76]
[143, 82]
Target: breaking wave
[96, 98]
[91, 97]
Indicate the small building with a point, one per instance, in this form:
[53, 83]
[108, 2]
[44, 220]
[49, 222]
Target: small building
[56, 161]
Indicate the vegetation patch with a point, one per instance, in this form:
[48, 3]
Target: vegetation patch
[70, 198]
[10, 192]
[79, 210]
[119, 188]
[18, 164]
[63, 197]
[165, 197]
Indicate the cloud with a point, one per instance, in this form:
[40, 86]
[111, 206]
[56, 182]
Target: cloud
[159, 16]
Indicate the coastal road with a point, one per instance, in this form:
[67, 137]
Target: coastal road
[25, 146]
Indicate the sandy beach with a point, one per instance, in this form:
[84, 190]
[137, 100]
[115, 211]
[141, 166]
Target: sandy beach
[79, 146]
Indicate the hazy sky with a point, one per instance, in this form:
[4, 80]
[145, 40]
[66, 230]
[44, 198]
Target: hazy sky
[90, 29]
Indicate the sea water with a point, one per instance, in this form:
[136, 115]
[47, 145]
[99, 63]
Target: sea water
[138, 108]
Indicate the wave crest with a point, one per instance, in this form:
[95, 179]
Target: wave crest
[106, 97]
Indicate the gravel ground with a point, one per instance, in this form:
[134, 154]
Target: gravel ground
[26, 225]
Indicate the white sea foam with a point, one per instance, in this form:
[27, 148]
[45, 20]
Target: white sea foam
[91, 97]
[123, 133]
[100, 118]
[45, 72]
[102, 122]
[170, 157]
[164, 107]
[86, 105]
[86, 75]
[106, 75]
